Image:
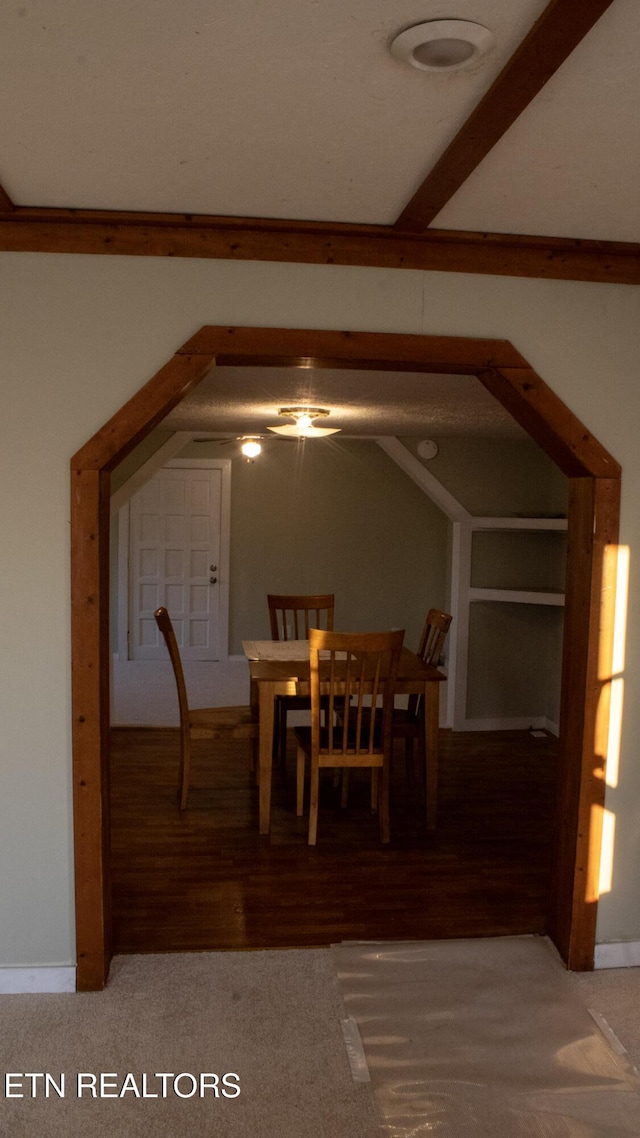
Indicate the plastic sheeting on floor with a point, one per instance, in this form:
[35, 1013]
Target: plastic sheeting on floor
[483, 1037]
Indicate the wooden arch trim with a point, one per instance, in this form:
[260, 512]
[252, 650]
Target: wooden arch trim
[593, 531]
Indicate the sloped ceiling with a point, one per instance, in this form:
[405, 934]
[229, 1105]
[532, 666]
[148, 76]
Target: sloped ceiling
[295, 109]
[289, 109]
[569, 165]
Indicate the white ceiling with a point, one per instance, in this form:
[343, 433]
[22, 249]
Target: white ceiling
[295, 109]
[570, 165]
[236, 401]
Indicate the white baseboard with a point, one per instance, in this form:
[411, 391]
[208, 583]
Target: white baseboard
[16, 981]
[622, 954]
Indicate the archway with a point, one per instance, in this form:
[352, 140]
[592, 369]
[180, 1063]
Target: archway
[594, 479]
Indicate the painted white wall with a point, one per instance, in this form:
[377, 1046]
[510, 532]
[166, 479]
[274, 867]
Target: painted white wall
[79, 336]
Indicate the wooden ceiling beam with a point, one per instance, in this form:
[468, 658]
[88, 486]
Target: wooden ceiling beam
[560, 28]
[261, 239]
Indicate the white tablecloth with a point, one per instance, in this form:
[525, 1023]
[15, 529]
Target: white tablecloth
[276, 649]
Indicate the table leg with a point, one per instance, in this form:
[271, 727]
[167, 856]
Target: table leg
[431, 724]
[265, 753]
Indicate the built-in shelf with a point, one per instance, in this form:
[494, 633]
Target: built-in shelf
[490, 552]
[517, 596]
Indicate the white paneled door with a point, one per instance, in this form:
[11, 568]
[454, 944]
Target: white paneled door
[175, 560]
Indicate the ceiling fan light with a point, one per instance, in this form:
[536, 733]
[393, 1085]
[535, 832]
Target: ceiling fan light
[442, 45]
[294, 431]
[303, 424]
[251, 448]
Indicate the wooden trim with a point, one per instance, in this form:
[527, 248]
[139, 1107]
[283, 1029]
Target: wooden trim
[594, 501]
[555, 34]
[142, 413]
[594, 507]
[30, 230]
[308, 347]
[90, 722]
[550, 422]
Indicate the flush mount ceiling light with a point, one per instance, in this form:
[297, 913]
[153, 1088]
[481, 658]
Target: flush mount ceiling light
[442, 45]
[303, 420]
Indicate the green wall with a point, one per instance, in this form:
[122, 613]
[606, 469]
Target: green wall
[497, 477]
[335, 516]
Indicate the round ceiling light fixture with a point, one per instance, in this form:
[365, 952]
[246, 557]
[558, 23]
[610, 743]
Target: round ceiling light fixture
[303, 425]
[442, 45]
[251, 446]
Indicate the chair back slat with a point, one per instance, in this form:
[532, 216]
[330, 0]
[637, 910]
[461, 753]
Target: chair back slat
[291, 615]
[361, 672]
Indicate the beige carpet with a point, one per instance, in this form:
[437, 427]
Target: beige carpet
[273, 1018]
[614, 993]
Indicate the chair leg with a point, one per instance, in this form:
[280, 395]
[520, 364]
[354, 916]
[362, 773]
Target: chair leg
[422, 766]
[275, 745]
[185, 768]
[282, 737]
[255, 769]
[344, 795]
[313, 803]
[408, 759]
[375, 788]
[300, 765]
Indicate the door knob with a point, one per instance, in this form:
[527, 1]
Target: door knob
[213, 568]
[212, 580]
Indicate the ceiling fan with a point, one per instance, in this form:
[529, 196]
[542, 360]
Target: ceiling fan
[249, 445]
[302, 428]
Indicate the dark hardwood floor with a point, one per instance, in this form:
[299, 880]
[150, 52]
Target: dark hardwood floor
[204, 879]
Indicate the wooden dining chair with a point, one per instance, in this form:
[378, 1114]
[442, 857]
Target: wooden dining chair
[205, 722]
[291, 616]
[408, 722]
[360, 667]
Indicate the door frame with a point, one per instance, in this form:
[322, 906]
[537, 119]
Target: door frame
[594, 496]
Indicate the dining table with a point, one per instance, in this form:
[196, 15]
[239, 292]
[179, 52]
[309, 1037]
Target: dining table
[282, 667]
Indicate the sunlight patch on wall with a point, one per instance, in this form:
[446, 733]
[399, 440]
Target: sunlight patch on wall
[616, 695]
[606, 855]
